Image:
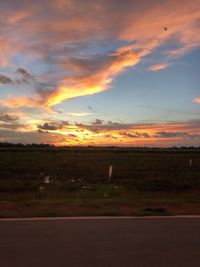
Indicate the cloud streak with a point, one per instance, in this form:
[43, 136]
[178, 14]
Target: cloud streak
[79, 114]
[158, 67]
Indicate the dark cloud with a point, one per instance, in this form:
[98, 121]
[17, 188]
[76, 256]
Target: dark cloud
[49, 127]
[164, 134]
[110, 136]
[136, 135]
[145, 135]
[8, 118]
[113, 123]
[25, 74]
[79, 124]
[97, 122]
[168, 134]
[43, 90]
[131, 135]
[23, 77]
[5, 80]
[52, 126]
[65, 123]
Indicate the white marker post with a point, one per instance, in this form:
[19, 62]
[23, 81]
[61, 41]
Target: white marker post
[190, 163]
[110, 171]
[46, 179]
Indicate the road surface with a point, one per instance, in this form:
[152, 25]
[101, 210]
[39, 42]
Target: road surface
[100, 242]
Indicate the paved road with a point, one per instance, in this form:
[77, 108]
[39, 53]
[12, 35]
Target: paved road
[134, 242]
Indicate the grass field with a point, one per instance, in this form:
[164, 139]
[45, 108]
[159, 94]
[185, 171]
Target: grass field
[144, 182]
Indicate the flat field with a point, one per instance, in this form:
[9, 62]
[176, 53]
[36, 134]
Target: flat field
[144, 181]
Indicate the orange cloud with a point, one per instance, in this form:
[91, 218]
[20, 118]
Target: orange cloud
[96, 82]
[197, 100]
[17, 102]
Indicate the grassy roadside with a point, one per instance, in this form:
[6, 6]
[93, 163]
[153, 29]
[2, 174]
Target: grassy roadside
[138, 206]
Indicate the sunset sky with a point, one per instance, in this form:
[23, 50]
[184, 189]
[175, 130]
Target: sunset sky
[99, 72]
